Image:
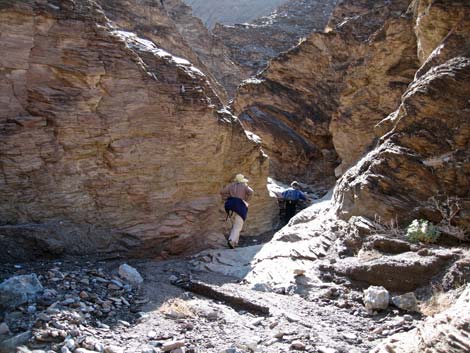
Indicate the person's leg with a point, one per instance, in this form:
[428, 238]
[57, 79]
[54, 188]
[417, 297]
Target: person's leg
[236, 229]
[290, 210]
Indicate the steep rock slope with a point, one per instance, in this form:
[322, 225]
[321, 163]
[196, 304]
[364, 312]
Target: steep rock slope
[314, 106]
[231, 11]
[108, 143]
[253, 44]
[160, 23]
[421, 168]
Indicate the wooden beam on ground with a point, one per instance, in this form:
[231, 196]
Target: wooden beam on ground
[235, 300]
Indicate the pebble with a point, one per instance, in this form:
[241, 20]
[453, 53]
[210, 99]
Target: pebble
[323, 349]
[298, 345]
[113, 349]
[168, 347]
[4, 329]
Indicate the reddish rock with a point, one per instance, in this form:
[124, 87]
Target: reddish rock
[113, 140]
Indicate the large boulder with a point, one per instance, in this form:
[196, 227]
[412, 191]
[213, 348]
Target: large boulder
[109, 135]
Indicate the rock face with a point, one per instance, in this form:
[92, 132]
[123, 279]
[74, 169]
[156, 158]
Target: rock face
[253, 44]
[231, 11]
[420, 168]
[319, 100]
[111, 139]
[445, 332]
[210, 50]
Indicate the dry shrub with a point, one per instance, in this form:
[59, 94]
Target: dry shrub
[438, 302]
[177, 309]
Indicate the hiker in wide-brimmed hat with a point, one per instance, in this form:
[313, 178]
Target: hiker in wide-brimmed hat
[236, 196]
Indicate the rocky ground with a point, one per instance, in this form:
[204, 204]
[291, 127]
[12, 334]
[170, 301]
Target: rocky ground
[87, 307]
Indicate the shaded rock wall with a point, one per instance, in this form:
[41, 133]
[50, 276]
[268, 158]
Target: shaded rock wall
[330, 91]
[109, 143]
[253, 44]
[421, 165]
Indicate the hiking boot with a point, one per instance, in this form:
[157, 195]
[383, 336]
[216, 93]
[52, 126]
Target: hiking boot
[229, 244]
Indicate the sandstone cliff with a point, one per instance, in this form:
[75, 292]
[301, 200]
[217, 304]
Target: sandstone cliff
[253, 44]
[319, 101]
[109, 144]
[420, 168]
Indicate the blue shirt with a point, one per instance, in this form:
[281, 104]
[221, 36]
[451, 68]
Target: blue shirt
[292, 194]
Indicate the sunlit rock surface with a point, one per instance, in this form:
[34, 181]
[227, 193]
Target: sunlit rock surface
[315, 106]
[109, 143]
[420, 168]
[448, 331]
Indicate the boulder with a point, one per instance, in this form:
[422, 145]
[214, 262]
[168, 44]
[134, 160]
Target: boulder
[376, 298]
[134, 146]
[406, 302]
[398, 273]
[130, 274]
[19, 290]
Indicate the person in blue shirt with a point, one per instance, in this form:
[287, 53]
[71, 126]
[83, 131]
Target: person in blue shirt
[291, 197]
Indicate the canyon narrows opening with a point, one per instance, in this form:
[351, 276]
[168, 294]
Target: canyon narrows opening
[121, 121]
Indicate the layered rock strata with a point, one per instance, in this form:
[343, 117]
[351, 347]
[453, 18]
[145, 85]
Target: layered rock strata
[420, 169]
[209, 49]
[314, 106]
[253, 44]
[169, 26]
[108, 143]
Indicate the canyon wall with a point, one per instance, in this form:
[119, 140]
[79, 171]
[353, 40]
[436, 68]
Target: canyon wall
[421, 166]
[316, 105]
[109, 144]
[253, 44]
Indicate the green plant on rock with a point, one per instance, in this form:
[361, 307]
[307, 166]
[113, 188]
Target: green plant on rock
[422, 230]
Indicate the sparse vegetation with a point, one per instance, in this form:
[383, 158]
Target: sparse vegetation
[422, 231]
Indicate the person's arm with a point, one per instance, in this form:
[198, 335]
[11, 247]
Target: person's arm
[248, 193]
[301, 195]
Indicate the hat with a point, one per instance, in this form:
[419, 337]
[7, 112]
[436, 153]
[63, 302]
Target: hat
[295, 184]
[239, 178]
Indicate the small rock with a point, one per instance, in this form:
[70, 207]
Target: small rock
[10, 344]
[113, 349]
[406, 301]
[323, 349]
[4, 329]
[299, 272]
[18, 290]
[178, 350]
[168, 347]
[376, 298]
[83, 350]
[131, 275]
[298, 345]
[408, 317]
[64, 349]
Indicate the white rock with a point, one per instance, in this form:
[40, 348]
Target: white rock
[170, 346]
[298, 345]
[376, 298]
[131, 275]
[113, 349]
